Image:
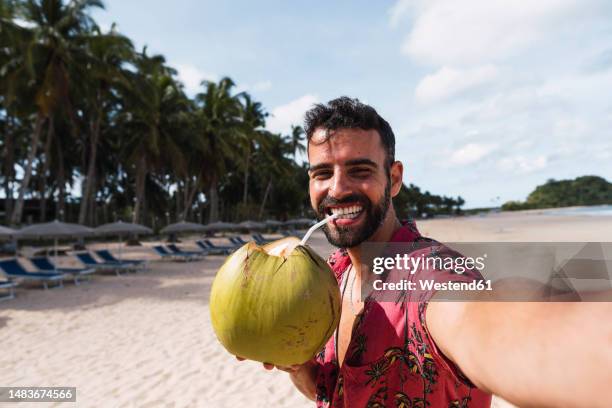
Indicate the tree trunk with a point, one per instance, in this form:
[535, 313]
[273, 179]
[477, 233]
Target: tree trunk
[213, 198]
[60, 210]
[9, 168]
[91, 167]
[45, 170]
[91, 200]
[104, 212]
[186, 203]
[265, 198]
[246, 179]
[177, 203]
[17, 213]
[141, 174]
[190, 197]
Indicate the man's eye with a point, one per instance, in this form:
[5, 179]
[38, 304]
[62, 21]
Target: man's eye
[321, 175]
[361, 173]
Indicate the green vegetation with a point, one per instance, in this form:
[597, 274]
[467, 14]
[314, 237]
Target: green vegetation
[93, 130]
[585, 190]
[411, 202]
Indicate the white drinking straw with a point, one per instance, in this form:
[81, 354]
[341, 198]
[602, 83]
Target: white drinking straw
[317, 226]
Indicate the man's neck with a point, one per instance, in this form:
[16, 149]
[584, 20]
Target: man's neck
[382, 234]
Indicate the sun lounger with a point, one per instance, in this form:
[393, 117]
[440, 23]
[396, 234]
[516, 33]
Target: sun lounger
[213, 251]
[260, 239]
[13, 270]
[176, 250]
[232, 247]
[90, 262]
[9, 286]
[165, 253]
[107, 256]
[237, 241]
[44, 264]
[290, 233]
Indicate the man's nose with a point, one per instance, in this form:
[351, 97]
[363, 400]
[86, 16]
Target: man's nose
[340, 186]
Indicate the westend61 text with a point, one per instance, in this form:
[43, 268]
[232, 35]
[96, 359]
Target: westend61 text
[431, 284]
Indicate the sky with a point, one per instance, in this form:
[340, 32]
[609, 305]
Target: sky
[487, 98]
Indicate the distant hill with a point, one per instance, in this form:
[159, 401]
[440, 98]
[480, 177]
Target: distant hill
[585, 190]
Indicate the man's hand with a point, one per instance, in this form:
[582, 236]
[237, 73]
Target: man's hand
[268, 366]
[303, 376]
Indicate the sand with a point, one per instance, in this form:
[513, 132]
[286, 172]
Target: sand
[145, 339]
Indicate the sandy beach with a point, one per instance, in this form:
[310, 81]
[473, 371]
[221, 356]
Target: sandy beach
[145, 339]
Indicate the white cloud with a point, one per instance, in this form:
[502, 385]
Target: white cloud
[521, 164]
[398, 11]
[450, 32]
[292, 113]
[448, 82]
[604, 154]
[191, 76]
[470, 153]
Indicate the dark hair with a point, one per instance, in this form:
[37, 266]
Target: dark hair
[348, 113]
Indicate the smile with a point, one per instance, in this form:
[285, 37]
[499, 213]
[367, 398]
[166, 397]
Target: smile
[346, 212]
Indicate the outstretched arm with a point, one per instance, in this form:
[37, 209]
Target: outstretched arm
[530, 353]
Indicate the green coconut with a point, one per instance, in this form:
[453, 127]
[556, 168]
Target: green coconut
[277, 304]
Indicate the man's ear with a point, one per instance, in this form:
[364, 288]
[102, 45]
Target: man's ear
[397, 174]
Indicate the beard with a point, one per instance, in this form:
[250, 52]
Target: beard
[351, 236]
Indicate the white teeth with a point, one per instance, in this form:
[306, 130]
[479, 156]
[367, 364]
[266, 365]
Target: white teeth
[347, 212]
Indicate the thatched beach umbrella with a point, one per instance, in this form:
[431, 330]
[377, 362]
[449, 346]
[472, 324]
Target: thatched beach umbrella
[56, 230]
[220, 226]
[274, 223]
[183, 226]
[252, 225]
[300, 221]
[6, 233]
[121, 229]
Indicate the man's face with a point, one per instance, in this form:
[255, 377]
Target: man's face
[348, 176]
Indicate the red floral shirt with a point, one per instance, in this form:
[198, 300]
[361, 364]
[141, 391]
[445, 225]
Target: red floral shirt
[391, 360]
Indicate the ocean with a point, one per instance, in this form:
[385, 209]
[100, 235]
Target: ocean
[595, 210]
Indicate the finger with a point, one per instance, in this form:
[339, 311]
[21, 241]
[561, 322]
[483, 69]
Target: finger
[286, 369]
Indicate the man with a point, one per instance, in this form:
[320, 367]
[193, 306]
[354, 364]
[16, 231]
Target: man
[421, 353]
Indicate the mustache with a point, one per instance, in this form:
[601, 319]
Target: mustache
[352, 198]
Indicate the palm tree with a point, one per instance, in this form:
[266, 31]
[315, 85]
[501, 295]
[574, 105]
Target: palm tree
[273, 164]
[194, 148]
[11, 38]
[295, 139]
[52, 45]
[250, 134]
[107, 53]
[151, 120]
[218, 112]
